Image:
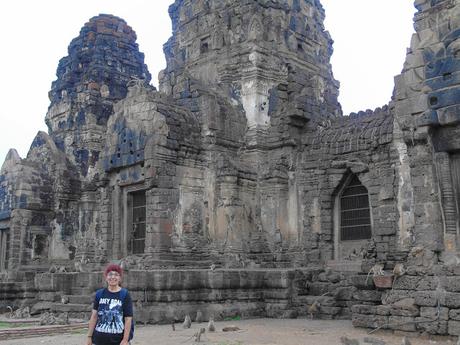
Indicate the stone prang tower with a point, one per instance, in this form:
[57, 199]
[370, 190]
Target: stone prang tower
[101, 62]
[239, 183]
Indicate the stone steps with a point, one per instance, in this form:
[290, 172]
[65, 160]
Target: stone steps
[79, 299]
[70, 308]
[76, 291]
[74, 310]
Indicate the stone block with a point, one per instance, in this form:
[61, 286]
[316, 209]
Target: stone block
[451, 300]
[369, 321]
[392, 296]
[384, 229]
[406, 283]
[80, 299]
[70, 308]
[319, 288]
[40, 307]
[429, 326]
[323, 300]
[419, 103]
[386, 193]
[402, 323]
[364, 309]
[47, 296]
[432, 313]
[383, 310]
[429, 283]
[344, 293]
[425, 298]
[362, 282]
[368, 295]
[405, 307]
[454, 314]
[453, 328]
[330, 310]
[453, 284]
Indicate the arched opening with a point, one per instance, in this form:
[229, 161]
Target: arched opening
[352, 219]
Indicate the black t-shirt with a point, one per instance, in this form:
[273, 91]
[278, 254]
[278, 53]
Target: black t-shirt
[111, 312]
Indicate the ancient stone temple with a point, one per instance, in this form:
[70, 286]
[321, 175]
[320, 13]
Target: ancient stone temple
[239, 187]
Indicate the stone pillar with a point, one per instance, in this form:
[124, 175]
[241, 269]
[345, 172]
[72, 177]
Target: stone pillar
[105, 223]
[159, 221]
[117, 219]
[18, 240]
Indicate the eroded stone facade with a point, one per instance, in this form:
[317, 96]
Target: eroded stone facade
[240, 180]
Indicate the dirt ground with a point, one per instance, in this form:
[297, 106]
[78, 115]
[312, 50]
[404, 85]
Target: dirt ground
[252, 332]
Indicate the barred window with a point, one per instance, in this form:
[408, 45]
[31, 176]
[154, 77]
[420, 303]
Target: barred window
[137, 236]
[355, 217]
[4, 248]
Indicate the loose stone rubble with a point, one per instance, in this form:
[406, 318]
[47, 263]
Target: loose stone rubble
[238, 188]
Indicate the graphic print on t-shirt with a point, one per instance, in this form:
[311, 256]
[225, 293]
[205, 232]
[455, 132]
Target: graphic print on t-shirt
[110, 316]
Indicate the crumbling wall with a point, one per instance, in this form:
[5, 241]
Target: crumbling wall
[426, 96]
[424, 293]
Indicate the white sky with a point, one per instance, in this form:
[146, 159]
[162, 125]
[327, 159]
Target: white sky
[371, 37]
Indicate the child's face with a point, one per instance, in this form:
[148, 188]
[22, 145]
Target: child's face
[113, 278]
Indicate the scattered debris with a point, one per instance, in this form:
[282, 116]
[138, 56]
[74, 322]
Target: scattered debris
[199, 316]
[187, 322]
[406, 341]
[374, 341]
[348, 341]
[211, 326]
[10, 308]
[48, 318]
[198, 334]
[314, 309]
[21, 313]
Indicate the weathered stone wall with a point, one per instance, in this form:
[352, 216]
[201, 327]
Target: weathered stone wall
[425, 104]
[425, 299]
[360, 144]
[425, 122]
[162, 296]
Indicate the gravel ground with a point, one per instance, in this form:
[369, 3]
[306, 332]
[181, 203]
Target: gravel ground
[252, 332]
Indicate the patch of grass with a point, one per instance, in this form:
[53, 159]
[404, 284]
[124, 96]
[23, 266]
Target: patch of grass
[14, 324]
[79, 331]
[233, 318]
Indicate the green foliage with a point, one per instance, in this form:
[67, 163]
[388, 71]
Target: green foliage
[233, 318]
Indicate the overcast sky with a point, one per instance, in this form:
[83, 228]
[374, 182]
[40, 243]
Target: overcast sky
[371, 37]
